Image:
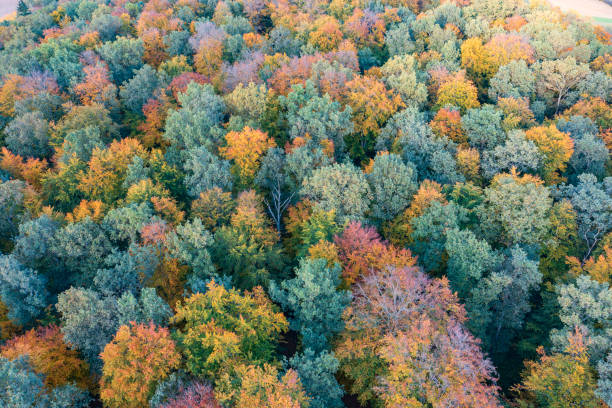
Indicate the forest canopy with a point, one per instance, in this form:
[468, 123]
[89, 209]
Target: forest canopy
[291, 204]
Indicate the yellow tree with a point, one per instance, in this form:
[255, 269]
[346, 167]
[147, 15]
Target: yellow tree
[556, 148]
[560, 380]
[459, 92]
[107, 170]
[221, 327]
[372, 104]
[251, 386]
[134, 362]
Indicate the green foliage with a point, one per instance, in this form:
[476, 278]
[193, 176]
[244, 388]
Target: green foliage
[515, 210]
[341, 188]
[316, 372]
[22, 290]
[197, 122]
[393, 184]
[313, 302]
[205, 171]
[124, 56]
[138, 90]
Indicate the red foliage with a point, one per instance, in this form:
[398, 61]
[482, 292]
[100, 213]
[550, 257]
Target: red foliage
[296, 71]
[180, 83]
[361, 250]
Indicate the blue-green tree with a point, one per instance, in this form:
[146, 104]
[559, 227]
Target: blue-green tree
[313, 301]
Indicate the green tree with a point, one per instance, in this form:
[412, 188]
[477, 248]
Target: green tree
[22, 290]
[124, 56]
[22, 9]
[317, 372]
[515, 210]
[393, 184]
[197, 122]
[313, 302]
[342, 188]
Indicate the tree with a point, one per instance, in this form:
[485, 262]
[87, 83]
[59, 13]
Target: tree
[22, 9]
[273, 177]
[97, 87]
[135, 360]
[49, 357]
[22, 290]
[458, 92]
[246, 149]
[247, 249]
[139, 89]
[260, 386]
[372, 104]
[403, 345]
[317, 118]
[21, 387]
[561, 379]
[108, 170]
[33, 248]
[197, 122]
[556, 149]
[400, 73]
[148, 308]
[592, 202]
[469, 260]
[515, 210]
[514, 80]
[483, 127]
[316, 373]
[81, 143]
[122, 225]
[189, 243]
[206, 171]
[11, 207]
[392, 183]
[342, 188]
[313, 302]
[221, 327]
[196, 395]
[429, 232]
[89, 321]
[124, 56]
[556, 78]
[28, 135]
[126, 271]
[81, 248]
[590, 156]
[513, 282]
[214, 207]
[517, 152]
[447, 122]
[587, 305]
[81, 117]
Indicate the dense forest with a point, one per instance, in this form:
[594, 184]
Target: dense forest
[292, 204]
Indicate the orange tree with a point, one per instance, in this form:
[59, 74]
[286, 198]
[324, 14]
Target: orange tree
[134, 362]
[245, 149]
